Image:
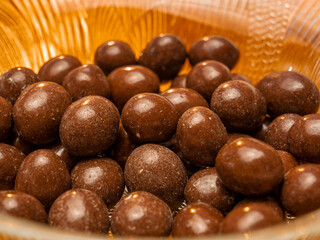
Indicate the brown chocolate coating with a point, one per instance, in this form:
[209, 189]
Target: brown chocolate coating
[55, 69]
[5, 119]
[69, 159]
[206, 76]
[200, 135]
[165, 55]
[240, 106]
[79, 210]
[262, 165]
[14, 81]
[89, 126]
[179, 81]
[158, 170]
[38, 111]
[206, 186]
[288, 161]
[300, 192]
[235, 136]
[141, 214]
[214, 48]
[22, 205]
[17, 141]
[113, 54]
[10, 161]
[304, 138]
[184, 98]
[128, 81]
[277, 132]
[86, 80]
[149, 117]
[197, 219]
[102, 176]
[284, 92]
[237, 76]
[260, 132]
[43, 175]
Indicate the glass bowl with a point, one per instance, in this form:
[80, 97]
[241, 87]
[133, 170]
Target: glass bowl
[272, 35]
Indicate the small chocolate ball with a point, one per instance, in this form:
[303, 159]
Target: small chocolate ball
[288, 161]
[165, 55]
[300, 192]
[69, 159]
[206, 186]
[158, 170]
[38, 111]
[22, 205]
[200, 135]
[235, 136]
[240, 106]
[89, 126]
[197, 219]
[261, 132]
[179, 81]
[14, 81]
[141, 214]
[277, 132]
[5, 119]
[43, 175]
[113, 54]
[237, 76]
[18, 142]
[206, 76]
[79, 210]
[283, 92]
[249, 166]
[128, 81]
[55, 69]
[149, 117]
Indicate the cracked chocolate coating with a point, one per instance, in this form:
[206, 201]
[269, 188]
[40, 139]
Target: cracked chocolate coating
[5, 119]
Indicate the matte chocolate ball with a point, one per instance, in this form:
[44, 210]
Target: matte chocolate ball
[165, 55]
[206, 76]
[158, 170]
[128, 81]
[277, 132]
[237, 76]
[69, 159]
[240, 106]
[141, 214]
[89, 126]
[5, 119]
[300, 191]
[79, 210]
[285, 90]
[14, 81]
[200, 135]
[55, 69]
[249, 166]
[113, 54]
[38, 111]
[43, 175]
[149, 117]
[197, 219]
[179, 81]
[288, 161]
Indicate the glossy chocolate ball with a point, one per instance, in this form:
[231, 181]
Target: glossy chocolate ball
[179, 81]
[236, 76]
[288, 161]
[261, 132]
[17, 141]
[5, 119]
[69, 159]
[235, 136]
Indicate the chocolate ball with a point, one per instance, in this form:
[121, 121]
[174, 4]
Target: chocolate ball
[5, 119]
[102, 176]
[165, 55]
[79, 210]
[22, 205]
[197, 219]
[284, 91]
[214, 48]
[277, 132]
[128, 81]
[17, 141]
[38, 111]
[206, 186]
[14, 81]
[200, 135]
[141, 214]
[69, 159]
[149, 117]
[43, 175]
[179, 81]
[86, 80]
[261, 132]
[184, 98]
[240, 106]
[89, 126]
[113, 54]
[235, 136]
[10, 161]
[237, 76]
[262, 165]
[158, 170]
[300, 191]
[206, 76]
[288, 161]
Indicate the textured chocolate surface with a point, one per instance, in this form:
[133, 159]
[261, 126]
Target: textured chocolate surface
[5, 119]
[179, 81]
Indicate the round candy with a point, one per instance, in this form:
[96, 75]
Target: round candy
[141, 214]
[261, 132]
[17, 141]
[288, 161]
[38, 111]
[235, 136]
[5, 119]
[179, 82]
[69, 159]
[236, 76]
[89, 126]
